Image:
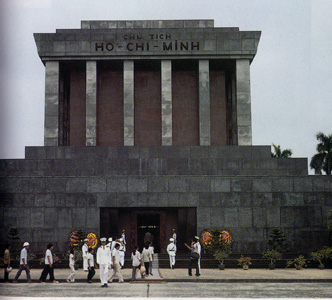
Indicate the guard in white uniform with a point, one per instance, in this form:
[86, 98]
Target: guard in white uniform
[85, 249]
[122, 252]
[103, 259]
[174, 236]
[171, 250]
[109, 245]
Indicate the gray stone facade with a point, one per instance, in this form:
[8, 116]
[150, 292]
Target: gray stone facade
[58, 189]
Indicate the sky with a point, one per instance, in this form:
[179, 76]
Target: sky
[291, 75]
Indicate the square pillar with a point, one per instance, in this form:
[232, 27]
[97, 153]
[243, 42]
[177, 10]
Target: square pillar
[128, 102]
[51, 125]
[204, 103]
[244, 131]
[166, 102]
[91, 103]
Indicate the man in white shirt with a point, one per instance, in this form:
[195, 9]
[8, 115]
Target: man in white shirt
[103, 258]
[116, 264]
[171, 250]
[85, 249]
[24, 263]
[48, 269]
[195, 256]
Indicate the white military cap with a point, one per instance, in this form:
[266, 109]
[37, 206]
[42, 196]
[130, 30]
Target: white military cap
[26, 244]
[121, 240]
[86, 240]
[171, 240]
[110, 239]
[103, 239]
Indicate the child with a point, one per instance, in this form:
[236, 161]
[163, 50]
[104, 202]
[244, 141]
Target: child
[91, 265]
[71, 277]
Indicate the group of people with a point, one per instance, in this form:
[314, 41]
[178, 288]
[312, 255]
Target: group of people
[109, 257]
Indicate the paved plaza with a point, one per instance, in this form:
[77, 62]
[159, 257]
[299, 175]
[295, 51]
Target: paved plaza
[213, 283]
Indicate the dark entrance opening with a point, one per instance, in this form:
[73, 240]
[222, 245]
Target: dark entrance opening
[159, 221]
[148, 229]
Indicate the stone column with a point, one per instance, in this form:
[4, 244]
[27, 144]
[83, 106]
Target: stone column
[204, 104]
[128, 102]
[91, 103]
[51, 125]
[166, 102]
[244, 131]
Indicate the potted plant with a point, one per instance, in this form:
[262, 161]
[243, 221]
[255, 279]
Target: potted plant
[272, 255]
[299, 262]
[321, 256]
[220, 255]
[218, 243]
[245, 262]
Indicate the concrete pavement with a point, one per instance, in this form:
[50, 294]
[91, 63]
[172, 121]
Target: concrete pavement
[213, 283]
[207, 275]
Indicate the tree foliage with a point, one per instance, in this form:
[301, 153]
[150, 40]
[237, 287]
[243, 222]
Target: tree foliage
[277, 241]
[278, 153]
[322, 160]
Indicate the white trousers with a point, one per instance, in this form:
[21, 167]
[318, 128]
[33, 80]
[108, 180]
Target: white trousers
[71, 277]
[103, 273]
[171, 261]
[85, 264]
[122, 257]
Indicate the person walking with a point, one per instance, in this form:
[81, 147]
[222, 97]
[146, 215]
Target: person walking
[85, 252]
[103, 259]
[151, 249]
[49, 268]
[171, 250]
[109, 245]
[146, 257]
[136, 262]
[24, 263]
[91, 264]
[71, 277]
[116, 264]
[6, 262]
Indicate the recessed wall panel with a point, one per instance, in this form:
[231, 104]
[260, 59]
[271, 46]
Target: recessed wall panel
[185, 103]
[110, 104]
[147, 82]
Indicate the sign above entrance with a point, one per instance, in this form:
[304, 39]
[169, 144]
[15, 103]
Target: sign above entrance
[104, 42]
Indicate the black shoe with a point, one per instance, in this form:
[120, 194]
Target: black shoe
[198, 275]
[190, 275]
[102, 285]
[105, 285]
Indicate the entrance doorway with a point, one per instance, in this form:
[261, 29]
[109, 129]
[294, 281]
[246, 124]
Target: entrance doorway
[148, 229]
[158, 221]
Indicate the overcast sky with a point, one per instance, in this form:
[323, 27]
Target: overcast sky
[291, 75]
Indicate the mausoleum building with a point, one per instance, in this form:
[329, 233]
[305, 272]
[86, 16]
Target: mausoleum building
[148, 128]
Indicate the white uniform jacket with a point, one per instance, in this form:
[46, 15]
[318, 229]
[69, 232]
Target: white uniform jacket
[103, 255]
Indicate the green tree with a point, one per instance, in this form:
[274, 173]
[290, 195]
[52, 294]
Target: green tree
[322, 161]
[277, 241]
[278, 153]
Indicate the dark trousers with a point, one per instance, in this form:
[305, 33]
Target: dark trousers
[91, 273]
[6, 273]
[193, 262]
[47, 270]
[146, 265]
